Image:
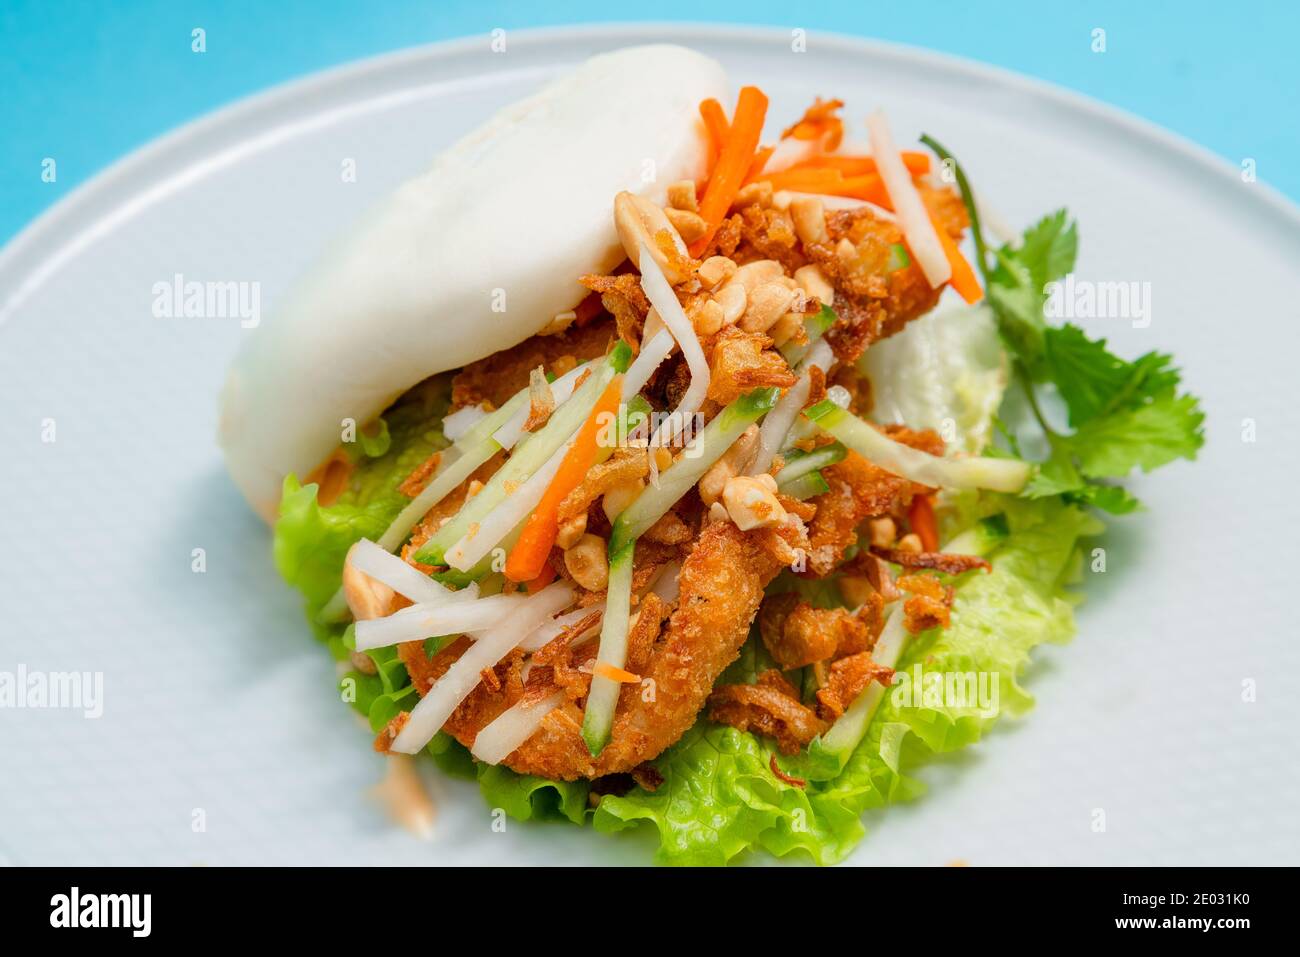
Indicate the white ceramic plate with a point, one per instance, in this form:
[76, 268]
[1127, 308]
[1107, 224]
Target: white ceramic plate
[219, 709]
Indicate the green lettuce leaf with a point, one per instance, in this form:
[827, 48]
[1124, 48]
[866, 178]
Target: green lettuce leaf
[720, 796]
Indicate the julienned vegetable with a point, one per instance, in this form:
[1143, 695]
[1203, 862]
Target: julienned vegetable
[602, 699]
[798, 464]
[461, 678]
[689, 466]
[527, 557]
[998, 475]
[734, 162]
[814, 327]
[474, 448]
[528, 456]
[805, 486]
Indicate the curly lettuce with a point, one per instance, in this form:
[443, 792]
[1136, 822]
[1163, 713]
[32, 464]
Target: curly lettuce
[720, 796]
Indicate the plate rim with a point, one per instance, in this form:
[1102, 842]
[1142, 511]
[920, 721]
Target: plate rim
[150, 171]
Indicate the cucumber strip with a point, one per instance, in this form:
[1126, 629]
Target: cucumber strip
[799, 463]
[999, 475]
[528, 457]
[459, 461]
[814, 327]
[805, 486]
[687, 469]
[849, 728]
[602, 698]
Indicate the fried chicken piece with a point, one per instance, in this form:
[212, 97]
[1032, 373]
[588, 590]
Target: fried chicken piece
[797, 634]
[414, 483]
[720, 586]
[499, 376]
[858, 490]
[873, 301]
[741, 361]
[769, 707]
[768, 233]
[848, 677]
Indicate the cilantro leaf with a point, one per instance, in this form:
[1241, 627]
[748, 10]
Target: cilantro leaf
[1093, 382]
[1144, 437]
[1049, 248]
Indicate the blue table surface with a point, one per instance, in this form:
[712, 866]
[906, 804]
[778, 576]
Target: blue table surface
[86, 82]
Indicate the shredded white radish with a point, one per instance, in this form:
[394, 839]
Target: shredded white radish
[461, 421]
[913, 218]
[464, 675]
[383, 566]
[789, 152]
[777, 423]
[662, 297]
[552, 629]
[496, 525]
[431, 621]
[515, 725]
[839, 395]
[561, 389]
[667, 584]
[654, 350]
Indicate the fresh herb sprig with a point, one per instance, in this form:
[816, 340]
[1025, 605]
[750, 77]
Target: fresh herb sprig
[1123, 415]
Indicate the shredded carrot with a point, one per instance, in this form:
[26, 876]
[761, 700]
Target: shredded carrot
[526, 559]
[963, 276]
[588, 309]
[832, 182]
[546, 576]
[715, 122]
[921, 517]
[918, 164]
[605, 670]
[734, 162]
[760, 160]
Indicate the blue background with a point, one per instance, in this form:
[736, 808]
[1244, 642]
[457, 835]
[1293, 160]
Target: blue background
[86, 82]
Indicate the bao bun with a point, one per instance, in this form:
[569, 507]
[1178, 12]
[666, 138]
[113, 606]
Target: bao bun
[473, 256]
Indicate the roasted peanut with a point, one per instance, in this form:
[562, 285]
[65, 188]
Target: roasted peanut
[755, 193]
[786, 328]
[690, 226]
[587, 563]
[715, 270]
[751, 502]
[733, 299]
[911, 542]
[882, 532]
[768, 303]
[809, 220]
[709, 318]
[681, 195]
[571, 531]
[760, 271]
[732, 462]
[813, 282]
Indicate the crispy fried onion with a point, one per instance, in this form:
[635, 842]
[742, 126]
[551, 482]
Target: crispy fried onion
[741, 362]
[848, 676]
[930, 603]
[797, 634]
[940, 561]
[541, 400]
[625, 465]
[770, 707]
